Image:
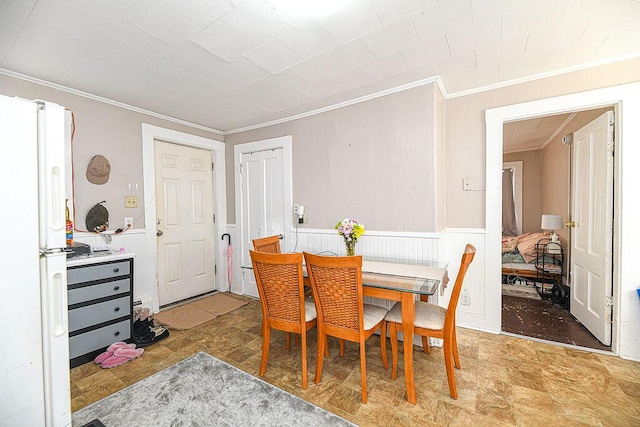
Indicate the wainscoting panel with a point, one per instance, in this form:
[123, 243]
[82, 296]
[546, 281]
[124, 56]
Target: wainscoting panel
[414, 248]
[474, 314]
[131, 241]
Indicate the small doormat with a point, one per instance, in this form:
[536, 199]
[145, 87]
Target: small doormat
[197, 312]
[522, 291]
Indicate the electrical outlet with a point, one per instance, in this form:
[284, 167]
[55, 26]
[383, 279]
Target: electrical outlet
[128, 222]
[295, 208]
[131, 202]
[467, 184]
[466, 299]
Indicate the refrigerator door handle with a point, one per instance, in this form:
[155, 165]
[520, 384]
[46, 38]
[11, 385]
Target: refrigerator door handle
[59, 300]
[51, 159]
[55, 293]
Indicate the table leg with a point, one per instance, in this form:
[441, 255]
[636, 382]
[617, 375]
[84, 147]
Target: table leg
[408, 317]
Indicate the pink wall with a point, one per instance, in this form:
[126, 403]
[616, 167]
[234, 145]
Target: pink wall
[109, 130]
[373, 161]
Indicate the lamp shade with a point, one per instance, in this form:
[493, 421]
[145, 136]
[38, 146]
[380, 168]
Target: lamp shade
[551, 222]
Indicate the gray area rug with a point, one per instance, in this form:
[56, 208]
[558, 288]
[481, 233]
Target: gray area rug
[204, 391]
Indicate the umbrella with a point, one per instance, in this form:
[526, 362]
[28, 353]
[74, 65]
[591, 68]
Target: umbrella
[229, 261]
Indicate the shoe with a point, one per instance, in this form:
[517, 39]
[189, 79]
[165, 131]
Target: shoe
[142, 327]
[156, 334]
[110, 350]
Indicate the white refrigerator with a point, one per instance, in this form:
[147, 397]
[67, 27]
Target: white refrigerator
[34, 338]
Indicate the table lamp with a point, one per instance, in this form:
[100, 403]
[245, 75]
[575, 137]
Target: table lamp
[552, 222]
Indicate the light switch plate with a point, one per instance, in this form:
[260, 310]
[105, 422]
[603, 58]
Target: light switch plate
[130, 202]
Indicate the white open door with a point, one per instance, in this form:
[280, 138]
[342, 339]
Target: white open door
[591, 236]
[264, 198]
[184, 209]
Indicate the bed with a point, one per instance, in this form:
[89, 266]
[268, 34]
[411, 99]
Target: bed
[519, 257]
[514, 267]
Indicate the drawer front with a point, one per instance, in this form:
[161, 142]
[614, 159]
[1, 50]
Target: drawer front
[97, 272]
[99, 338]
[101, 290]
[97, 313]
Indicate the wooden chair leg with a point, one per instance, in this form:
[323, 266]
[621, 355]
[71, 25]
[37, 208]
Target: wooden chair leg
[266, 336]
[394, 349]
[322, 343]
[304, 360]
[456, 357]
[448, 363]
[383, 344]
[287, 341]
[425, 345]
[296, 339]
[341, 347]
[326, 349]
[363, 370]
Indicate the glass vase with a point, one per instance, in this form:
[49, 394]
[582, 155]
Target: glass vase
[351, 247]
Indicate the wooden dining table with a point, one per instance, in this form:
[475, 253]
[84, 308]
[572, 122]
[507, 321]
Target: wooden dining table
[402, 282]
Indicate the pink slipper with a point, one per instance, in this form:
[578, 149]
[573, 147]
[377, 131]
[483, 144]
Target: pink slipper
[109, 352]
[129, 353]
[120, 356]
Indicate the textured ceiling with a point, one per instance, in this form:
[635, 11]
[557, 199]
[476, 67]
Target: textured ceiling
[533, 134]
[229, 64]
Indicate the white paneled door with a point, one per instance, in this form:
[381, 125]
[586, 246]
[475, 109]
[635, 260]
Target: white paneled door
[262, 200]
[185, 223]
[591, 236]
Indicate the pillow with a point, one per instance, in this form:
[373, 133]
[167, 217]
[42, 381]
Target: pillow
[527, 245]
[509, 244]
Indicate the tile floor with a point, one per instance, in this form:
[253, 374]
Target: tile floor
[503, 380]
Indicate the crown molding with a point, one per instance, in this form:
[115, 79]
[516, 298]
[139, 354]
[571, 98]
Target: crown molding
[546, 74]
[430, 80]
[396, 89]
[98, 98]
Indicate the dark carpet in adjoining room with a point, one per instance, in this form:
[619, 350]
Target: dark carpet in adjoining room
[544, 320]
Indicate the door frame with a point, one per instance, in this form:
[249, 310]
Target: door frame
[517, 185]
[285, 143]
[627, 96]
[149, 134]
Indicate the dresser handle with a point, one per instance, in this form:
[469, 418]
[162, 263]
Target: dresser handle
[115, 270]
[117, 309]
[117, 333]
[116, 288]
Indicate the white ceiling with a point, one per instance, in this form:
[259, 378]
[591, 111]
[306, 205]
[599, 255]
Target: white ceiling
[230, 64]
[533, 134]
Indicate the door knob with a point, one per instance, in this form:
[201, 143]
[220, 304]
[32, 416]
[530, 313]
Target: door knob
[571, 224]
[159, 233]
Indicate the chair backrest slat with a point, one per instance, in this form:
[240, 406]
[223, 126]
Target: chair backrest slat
[337, 286]
[270, 244]
[467, 257]
[280, 284]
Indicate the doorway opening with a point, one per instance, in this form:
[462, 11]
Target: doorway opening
[536, 186]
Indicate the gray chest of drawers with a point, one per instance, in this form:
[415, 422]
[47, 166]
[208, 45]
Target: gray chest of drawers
[100, 299]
